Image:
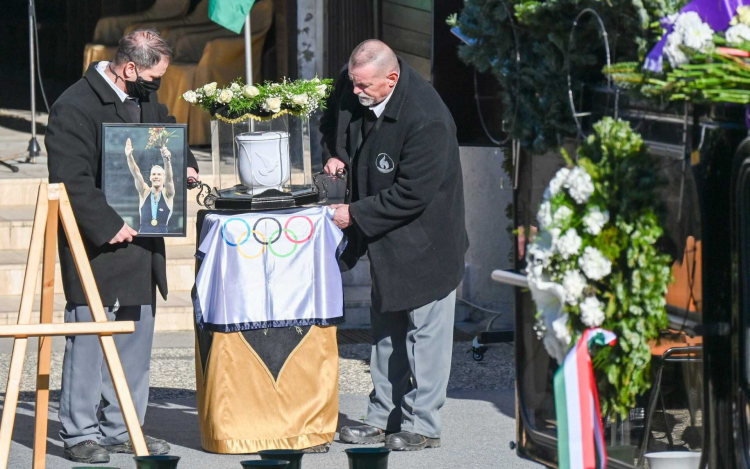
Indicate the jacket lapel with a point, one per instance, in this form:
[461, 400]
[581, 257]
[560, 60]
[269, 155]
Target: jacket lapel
[106, 93]
[149, 111]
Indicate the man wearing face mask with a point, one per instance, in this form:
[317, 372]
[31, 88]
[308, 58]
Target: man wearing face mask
[128, 269]
[404, 206]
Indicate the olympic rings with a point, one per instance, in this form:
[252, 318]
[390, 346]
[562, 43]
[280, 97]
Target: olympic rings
[270, 246]
[261, 239]
[245, 237]
[255, 226]
[223, 227]
[286, 229]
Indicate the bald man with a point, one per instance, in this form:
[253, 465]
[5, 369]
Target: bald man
[156, 201]
[404, 207]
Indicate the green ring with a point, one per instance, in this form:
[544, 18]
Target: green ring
[270, 246]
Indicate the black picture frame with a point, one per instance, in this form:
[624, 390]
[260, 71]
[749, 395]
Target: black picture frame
[119, 183]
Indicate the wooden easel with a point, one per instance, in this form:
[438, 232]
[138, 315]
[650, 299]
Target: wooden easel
[52, 202]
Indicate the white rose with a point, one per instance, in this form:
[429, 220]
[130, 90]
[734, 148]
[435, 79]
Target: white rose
[594, 264]
[569, 244]
[190, 97]
[272, 104]
[235, 88]
[738, 34]
[562, 216]
[316, 80]
[250, 91]
[595, 220]
[321, 90]
[299, 99]
[591, 312]
[579, 184]
[544, 215]
[225, 96]
[209, 89]
[574, 283]
[556, 183]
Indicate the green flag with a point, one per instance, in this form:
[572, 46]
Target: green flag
[230, 13]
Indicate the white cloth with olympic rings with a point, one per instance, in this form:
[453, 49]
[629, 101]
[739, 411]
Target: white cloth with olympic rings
[269, 269]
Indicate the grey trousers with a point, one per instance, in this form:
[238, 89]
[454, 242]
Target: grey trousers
[89, 409]
[410, 366]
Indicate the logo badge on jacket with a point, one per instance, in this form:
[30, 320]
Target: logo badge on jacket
[384, 163]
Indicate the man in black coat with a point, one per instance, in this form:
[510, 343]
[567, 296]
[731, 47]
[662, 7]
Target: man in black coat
[404, 206]
[127, 269]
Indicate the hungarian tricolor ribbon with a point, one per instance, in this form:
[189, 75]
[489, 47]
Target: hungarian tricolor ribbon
[580, 434]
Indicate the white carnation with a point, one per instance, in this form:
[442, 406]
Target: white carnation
[574, 284]
[544, 215]
[591, 312]
[321, 90]
[695, 33]
[594, 264]
[272, 104]
[738, 34]
[569, 244]
[562, 216]
[556, 183]
[225, 96]
[209, 89]
[300, 99]
[595, 220]
[190, 96]
[235, 88]
[579, 184]
[250, 91]
[675, 55]
[560, 328]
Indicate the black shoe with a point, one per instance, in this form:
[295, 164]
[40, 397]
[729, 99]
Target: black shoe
[155, 447]
[362, 435]
[89, 452]
[406, 441]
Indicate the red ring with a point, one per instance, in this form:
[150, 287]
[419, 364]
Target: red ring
[286, 227]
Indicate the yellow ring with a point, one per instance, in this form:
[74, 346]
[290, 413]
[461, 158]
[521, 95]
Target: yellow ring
[242, 239]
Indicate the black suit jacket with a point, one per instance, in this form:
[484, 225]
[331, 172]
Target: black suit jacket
[126, 272]
[409, 215]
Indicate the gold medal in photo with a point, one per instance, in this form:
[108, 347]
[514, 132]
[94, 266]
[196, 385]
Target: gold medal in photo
[154, 222]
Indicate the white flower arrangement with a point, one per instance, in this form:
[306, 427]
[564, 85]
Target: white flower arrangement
[738, 34]
[238, 102]
[689, 31]
[588, 264]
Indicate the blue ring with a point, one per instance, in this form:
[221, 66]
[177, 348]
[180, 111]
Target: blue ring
[224, 226]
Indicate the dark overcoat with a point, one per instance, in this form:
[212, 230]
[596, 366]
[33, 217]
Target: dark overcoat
[125, 272]
[409, 213]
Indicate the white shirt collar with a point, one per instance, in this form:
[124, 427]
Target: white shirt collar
[101, 67]
[379, 108]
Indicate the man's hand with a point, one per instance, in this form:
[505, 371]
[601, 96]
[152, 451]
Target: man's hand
[333, 166]
[192, 175]
[341, 216]
[165, 153]
[125, 235]
[128, 147]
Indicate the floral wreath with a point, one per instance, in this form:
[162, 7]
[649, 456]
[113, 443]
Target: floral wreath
[238, 102]
[595, 262]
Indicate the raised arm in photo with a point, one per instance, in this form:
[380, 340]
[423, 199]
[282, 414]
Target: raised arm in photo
[140, 184]
[168, 177]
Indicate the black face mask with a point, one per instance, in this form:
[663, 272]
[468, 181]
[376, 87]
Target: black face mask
[139, 88]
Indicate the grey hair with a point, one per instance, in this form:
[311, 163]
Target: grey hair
[373, 51]
[143, 47]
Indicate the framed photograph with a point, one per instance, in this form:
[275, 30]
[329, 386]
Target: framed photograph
[144, 176]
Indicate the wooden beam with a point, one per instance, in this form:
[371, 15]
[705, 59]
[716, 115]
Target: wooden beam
[24, 316]
[97, 312]
[45, 343]
[73, 328]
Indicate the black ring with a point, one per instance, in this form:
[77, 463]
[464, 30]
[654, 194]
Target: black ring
[255, 226]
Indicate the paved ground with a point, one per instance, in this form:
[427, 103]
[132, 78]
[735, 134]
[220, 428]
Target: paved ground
[478, 417]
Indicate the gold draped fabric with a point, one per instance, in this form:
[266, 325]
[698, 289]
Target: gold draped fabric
[243, 409]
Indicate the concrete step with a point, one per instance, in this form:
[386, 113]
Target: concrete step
[180, 270]
[16, 222]
[176, 314]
